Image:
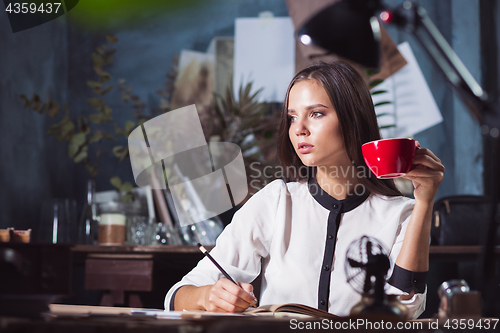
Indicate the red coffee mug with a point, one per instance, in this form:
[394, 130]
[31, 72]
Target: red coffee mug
[389, 158]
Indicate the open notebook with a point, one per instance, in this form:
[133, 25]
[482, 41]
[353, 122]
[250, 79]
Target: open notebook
[276, 310]
[289, 309]
[273, 310]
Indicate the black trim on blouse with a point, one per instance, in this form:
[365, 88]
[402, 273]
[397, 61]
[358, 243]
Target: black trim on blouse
[336, 208]
[327, 201]
[406, 280]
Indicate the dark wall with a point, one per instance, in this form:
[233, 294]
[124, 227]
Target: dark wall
[33, 166]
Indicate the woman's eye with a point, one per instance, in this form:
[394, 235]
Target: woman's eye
[317, 114]
[291, 118]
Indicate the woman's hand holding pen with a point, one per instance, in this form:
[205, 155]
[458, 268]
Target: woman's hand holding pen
[225, 296]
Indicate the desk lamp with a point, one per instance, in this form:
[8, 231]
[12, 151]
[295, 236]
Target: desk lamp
[350, 28]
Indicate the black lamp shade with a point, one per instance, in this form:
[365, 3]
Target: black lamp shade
[344, 28]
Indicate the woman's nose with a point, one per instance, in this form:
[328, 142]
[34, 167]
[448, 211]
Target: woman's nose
[301, 128]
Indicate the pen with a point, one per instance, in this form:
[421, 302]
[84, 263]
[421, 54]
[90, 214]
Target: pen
[205, 252]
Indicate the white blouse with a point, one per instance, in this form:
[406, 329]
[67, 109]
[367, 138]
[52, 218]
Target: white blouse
[302, 234]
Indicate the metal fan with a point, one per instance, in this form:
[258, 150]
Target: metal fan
[367, 265]
[366, 269]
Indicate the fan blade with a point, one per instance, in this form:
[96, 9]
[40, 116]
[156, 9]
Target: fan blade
[355, 276]
[355, 263]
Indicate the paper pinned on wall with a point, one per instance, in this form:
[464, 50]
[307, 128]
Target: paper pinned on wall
[264, 53]
[195, 82]
[412, 108]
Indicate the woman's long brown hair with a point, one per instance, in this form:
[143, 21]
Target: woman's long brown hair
[352, 101]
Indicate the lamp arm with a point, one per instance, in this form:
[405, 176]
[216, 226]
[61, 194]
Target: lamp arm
[413, 18]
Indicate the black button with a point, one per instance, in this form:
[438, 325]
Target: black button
[326, 267]
[330, 236]
[322, 302]
[335, 206]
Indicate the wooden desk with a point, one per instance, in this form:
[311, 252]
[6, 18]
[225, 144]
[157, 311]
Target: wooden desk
[64, 318]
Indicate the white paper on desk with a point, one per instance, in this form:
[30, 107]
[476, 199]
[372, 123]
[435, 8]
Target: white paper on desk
[163, 314]
[264, 53]
[413, 108]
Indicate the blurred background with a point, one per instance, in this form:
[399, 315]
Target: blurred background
[108, 66]
[55, 59]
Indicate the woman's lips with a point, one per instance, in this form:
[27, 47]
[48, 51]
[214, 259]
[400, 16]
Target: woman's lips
[304, 147]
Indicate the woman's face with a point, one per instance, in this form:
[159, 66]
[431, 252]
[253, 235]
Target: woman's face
[314, 127]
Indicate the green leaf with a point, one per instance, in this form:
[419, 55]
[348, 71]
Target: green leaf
[83, 124]
[371, 72]
[126, 187]
[100, 72]
[96, 103]
[96, 118]
[129, 125]
[109, 137]
[67, 130]
[37, 102]
[109, 52]
[107, 61]
[119, 131]
[382, 103]
[107, 110]
[53, 109]
[118, 151]
[104, 76]
[27, 102]
[56, 128]
[45, 107]
[125, 153]
[375, 83]
[106, 118]
[78, 139]
[111, 39]
[378, 92]
[384, 114]
[81, 155]
[95, 137]
[106, 90]
[94, 84]
[127, 197]
[75, 144]
[116, 182]
[92, 170]
[255, 95]
[97, 59]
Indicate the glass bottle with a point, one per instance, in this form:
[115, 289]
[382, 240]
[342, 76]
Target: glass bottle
[88, 220]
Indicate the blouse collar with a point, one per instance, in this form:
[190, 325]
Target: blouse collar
[329, 202]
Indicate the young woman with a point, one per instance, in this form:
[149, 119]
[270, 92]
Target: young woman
[298, 232]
